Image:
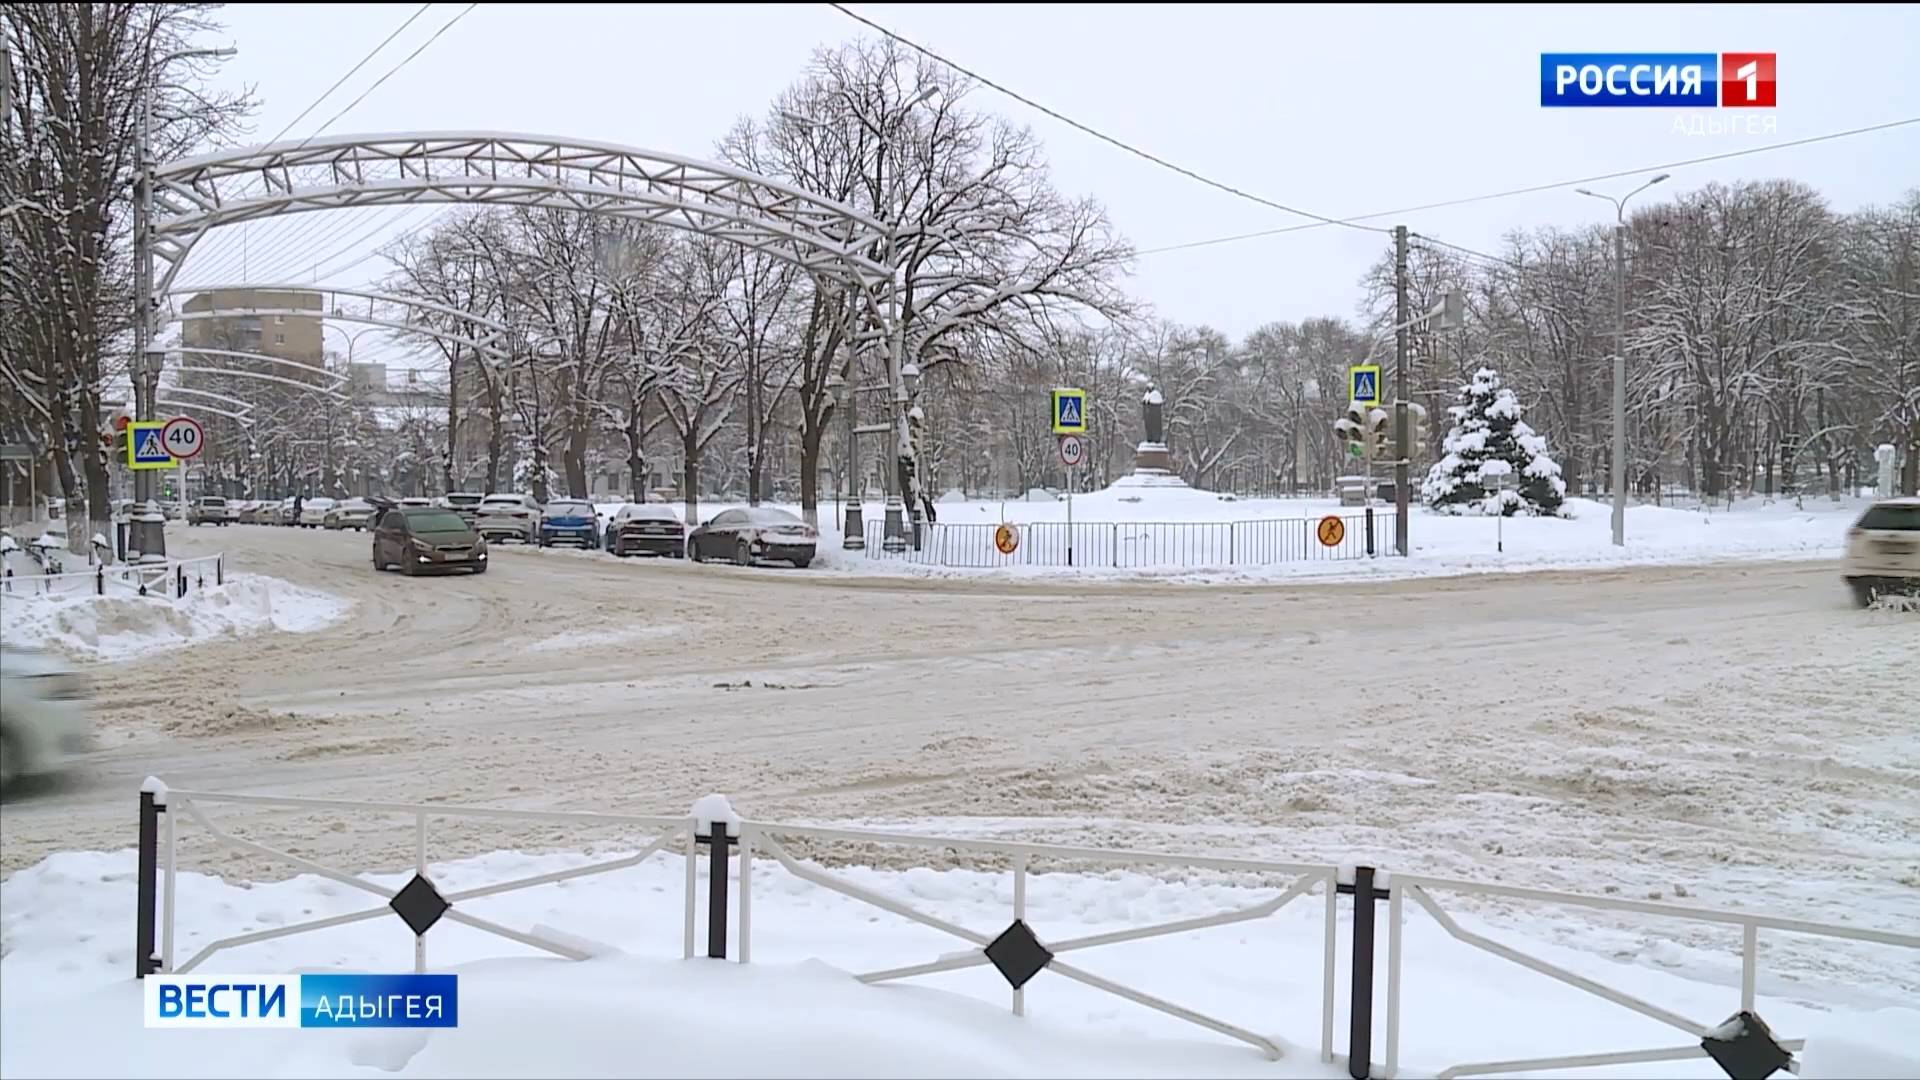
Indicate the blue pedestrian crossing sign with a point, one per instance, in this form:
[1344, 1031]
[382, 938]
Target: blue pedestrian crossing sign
[1363, 381]
[145, 448]
[1069, 411]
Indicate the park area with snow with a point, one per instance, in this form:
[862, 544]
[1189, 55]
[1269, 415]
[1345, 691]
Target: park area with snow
[1135, 530]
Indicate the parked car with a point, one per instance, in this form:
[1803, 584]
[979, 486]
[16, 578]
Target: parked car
[349, 514]
[283, 513]
[209, 510]
[43, 714]
[313, 512]
[464, 503]
[1883, 551]
[426, 539]
[569, 521]
[646, 529]
[749, 535]
[502, 516]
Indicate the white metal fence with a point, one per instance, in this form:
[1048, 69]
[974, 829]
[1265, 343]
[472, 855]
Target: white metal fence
[1192, 545]
[758, 842]
[170, 580]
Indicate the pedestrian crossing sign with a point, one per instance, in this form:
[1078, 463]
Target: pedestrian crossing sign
[1069, 411]
[145, 449]
[1365, 382]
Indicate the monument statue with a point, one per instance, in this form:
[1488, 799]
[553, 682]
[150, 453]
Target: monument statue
[1152, 456]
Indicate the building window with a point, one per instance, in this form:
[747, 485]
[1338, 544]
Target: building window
[280, 320]
[279, 339]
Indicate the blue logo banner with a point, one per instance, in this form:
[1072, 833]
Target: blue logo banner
[357, 1001]
[1630, 80]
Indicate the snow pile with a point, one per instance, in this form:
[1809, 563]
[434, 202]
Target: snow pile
[118, 626]
[637, 1009]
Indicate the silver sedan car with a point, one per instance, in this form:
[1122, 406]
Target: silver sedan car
[43, 714]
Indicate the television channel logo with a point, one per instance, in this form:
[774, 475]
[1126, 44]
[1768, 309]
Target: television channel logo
[302, 1001]
[1657, 80]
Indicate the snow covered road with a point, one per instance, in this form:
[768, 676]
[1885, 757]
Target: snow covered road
[1735, 733]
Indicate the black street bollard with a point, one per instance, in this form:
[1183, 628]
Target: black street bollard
[220, 569]
[1369, 532]
[100, 580]
[1360, 1008]
[718, 842]
[145, 960]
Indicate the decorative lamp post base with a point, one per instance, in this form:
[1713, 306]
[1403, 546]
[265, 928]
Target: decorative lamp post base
[895, 532]
[853, 534]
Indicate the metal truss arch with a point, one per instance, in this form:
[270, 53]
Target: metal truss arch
[488, 345]
[332, 378]
[821, 236]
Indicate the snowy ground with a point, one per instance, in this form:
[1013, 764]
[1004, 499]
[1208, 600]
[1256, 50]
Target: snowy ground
[1731, 734]
[118, 626]
[636, 1009]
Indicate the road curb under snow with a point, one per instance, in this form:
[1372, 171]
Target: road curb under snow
[118, 627]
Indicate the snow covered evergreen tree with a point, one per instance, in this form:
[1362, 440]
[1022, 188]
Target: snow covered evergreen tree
[1490, 440]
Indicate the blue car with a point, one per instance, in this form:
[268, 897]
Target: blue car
[569, 521]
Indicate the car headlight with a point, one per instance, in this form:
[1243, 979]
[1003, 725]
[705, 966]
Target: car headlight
[421, 545]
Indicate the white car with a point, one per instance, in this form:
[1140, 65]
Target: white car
[43, 714]
[508, 517]
[349, 514]
[313, 512]
[1883, 551]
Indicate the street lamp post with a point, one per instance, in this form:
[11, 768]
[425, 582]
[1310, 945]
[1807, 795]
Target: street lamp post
[853, 531]
[1620, 353]
[147, 535]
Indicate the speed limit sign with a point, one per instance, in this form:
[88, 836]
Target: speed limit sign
[1072, 450]
[183, 437]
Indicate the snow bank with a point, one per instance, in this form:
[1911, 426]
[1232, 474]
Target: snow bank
[636, 1009]
[117, 627]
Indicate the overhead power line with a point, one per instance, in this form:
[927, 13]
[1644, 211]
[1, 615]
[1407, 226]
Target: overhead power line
[388, 40]
[1535, 188]
[1102, 136]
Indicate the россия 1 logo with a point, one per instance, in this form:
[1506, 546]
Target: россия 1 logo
[1657, 80]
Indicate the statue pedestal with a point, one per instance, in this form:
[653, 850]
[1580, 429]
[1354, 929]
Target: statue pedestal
[1152, 457]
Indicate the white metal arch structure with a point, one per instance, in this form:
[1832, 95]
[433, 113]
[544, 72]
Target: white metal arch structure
[332, 378]
[240, 403]
[483, 335]
[239, 418]
[242, 373]
[227, 187]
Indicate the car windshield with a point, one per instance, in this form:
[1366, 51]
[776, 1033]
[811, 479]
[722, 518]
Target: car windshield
[435, 521]
[1890, 516]
[502, 500]
[569, 509]
[212, 501]
[318, 504]
[463, 499]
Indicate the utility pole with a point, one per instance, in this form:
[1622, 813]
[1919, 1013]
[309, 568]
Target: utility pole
[1620, 381]
[1402, 452]
[1620, 352]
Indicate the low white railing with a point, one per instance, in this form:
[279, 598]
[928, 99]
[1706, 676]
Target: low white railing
[721, 831]
[167, 580]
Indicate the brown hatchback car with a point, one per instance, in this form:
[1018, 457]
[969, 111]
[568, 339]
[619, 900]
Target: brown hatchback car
[425, 540]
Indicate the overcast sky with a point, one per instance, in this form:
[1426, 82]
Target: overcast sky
[1341, 111]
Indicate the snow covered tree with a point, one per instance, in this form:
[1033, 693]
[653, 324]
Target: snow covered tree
[1490, 440]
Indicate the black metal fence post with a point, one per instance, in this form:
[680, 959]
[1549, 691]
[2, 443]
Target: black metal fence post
[220, 569]
[718, 842]
[180, 581]
[1360, 1006]
[145, 960]
[100, 580]
[1369, 532]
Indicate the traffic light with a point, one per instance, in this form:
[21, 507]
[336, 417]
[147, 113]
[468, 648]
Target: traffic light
[1368, 432]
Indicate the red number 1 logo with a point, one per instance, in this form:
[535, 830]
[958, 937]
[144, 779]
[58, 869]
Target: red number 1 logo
[1746, 80]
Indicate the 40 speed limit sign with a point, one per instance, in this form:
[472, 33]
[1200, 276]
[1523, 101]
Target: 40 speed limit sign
[183, 437]
[1072, 450]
